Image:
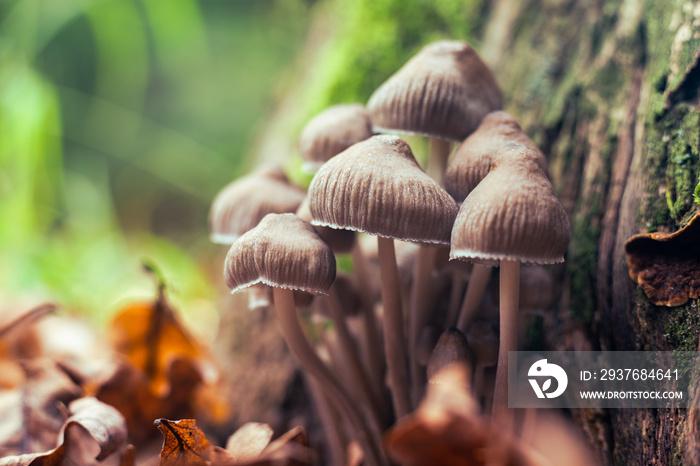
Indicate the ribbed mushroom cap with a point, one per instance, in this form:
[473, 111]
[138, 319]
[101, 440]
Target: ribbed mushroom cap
[332, 131]
[340, 241]
[442, 92]
[512, 214]
[242, 204]
[377, 187]
[282, 251]
[472, 160]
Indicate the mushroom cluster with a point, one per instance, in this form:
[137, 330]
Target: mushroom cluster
[405, 367]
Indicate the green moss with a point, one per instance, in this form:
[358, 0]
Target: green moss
[376, 37]
[673, 166]
[669, 328]
[696, 194]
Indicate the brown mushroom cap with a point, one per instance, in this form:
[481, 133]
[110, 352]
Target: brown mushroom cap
[240, 205]
[513, 214]
[667, 266]
[377, 187]
[332, 131]
[340, 241]
[444, 91]
[472, 160]
[282, 251]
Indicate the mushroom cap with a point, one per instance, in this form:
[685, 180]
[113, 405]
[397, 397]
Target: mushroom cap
[667, 266]
[332, 131]
[472, 160]
[377, 187]
[444, 92]
[340, 241]
[513, 214]
[282, 251]
[240, 205]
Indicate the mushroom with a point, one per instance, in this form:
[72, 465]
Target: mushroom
[331, 132]
[443, 93]
[667, 266]
[240, 205]
[512, 216]
[377, 187]
[286, 253]
[471, 163]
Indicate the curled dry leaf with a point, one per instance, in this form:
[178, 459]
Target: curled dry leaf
[94, 432]
[129, 390]
[667, 266]
[184, 443]
[33, 415]
[249, 441]
[18, 340]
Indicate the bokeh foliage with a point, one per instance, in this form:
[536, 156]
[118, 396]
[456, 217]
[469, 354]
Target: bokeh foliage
[120, 120]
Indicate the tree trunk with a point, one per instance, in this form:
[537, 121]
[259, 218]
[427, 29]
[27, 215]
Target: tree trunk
[609, 90]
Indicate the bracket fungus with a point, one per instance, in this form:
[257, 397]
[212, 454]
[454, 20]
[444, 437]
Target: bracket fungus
[667, 266]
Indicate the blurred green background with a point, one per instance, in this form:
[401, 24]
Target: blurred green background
[119, 122]
[121, 119]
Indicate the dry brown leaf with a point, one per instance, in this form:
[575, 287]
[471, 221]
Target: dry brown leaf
[183, 443]
[128, 389]
[18, 340]
[249, 441]
[151, 336]
[93, 433]
[34, 414]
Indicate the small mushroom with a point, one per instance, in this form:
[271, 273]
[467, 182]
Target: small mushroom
[377, 187]
[286, 253]
[240, 205]
[512, 216]
[667, 266]
[331, 132]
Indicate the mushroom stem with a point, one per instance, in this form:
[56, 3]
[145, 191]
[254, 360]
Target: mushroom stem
[454, 304]
[369, 320]
[393, 326]
[299, 345]
[418, 311]
[437, 162]
[476, 286]
[367, 395]
[329, 420]
[509, 297]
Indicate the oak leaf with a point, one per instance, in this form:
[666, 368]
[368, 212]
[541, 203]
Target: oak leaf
[183, 443]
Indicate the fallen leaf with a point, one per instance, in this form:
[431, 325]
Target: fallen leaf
[151, 336]
[34, 414]
[183, 443]
[667, 266]
[129, 390]
[93, 433]
[249, 441]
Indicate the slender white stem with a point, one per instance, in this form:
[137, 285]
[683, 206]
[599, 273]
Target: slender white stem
[394, 343]
[509, 298]
[421, 291]
[299, 345]
[476, 287]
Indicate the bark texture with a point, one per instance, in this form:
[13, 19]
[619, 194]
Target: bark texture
[609, 90]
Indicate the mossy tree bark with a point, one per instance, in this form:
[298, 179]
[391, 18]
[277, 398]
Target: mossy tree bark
[609, 90]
